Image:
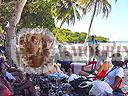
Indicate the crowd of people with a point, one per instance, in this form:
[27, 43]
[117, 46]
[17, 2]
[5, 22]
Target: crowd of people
[13, 81]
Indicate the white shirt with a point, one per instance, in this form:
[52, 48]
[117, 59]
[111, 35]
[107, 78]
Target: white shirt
[110, 78]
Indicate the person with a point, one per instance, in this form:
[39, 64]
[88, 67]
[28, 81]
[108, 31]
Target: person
[65, 58]
[64, 55]
[5, 56]
[99, 73]
[102, 66]
[116, 74]
[103, 69]
[58, 55]
[92, 40]
[3, 79]
[126, 60]
[102, 56]
[93, 47]
[25, 84]
[7, 74]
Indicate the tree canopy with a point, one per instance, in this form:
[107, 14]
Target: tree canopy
[66, 35]
[36, 14]
[68, 10]
[42, 13]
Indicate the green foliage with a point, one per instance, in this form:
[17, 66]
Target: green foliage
[37, 13]
[69, 10]
[65, 35]
[1, 30]
[2, 36]
[102, 6]
[66, 11]
[102, 39]
[5, 11]
[62, 34]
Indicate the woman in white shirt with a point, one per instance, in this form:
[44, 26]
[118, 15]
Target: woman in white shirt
[116, 74]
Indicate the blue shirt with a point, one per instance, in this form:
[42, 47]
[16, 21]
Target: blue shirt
[92, 42]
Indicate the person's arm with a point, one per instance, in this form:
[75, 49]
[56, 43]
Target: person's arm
[116, 82]
[119, 74]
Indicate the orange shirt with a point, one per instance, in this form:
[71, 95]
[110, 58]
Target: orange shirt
[103, 69]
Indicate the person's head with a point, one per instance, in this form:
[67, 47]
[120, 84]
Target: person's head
[117, 60]
[59, 46]
[92, 37]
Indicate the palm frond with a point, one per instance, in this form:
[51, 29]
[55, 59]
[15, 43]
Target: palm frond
[78, 16]
[64, 7]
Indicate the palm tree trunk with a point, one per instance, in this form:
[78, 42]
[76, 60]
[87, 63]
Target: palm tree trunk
[0, 1]
[89, 29]
[11, 35]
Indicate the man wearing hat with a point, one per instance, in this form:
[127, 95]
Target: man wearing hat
[116, 74]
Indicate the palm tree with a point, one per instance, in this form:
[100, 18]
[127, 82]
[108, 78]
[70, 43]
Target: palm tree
[68, 10]
[97, 6]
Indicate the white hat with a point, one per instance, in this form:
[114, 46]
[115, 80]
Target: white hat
[117, 57]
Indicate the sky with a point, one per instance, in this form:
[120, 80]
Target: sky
[115, 27]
